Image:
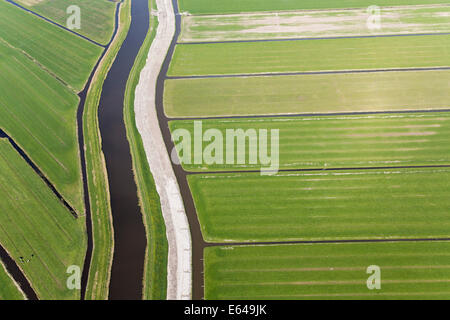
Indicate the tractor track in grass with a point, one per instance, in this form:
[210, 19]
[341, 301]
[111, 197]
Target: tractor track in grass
[317, 38]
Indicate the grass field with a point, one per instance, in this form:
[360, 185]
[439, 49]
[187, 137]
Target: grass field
[413, 270]
[398, 203]
[345, 141]
[155, 267]
[8, 289]
[97, 16]
[307, 94]
[311, 55]
[235, 6]
[36, 229]
[320, 23]
[66, 56]
[39, 113]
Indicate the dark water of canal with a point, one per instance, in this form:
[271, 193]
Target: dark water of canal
[129, 232]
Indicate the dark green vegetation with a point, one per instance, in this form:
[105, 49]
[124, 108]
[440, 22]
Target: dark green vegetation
[236, 6]
[66, 56]
[327, 205]
[412, 270]
[332, 142]
[155, 273]
[323, 93]
[97, 16]
[9, 290]
[39, 113]
[296, 56]
[36, 229]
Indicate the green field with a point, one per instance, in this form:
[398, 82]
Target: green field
[356, 204]
[155, 266]
[9, 290]
[307, 94]
[235, 6]
[39, 113]
[64, 55]
[320, 23]
[344, 141]
[412, 270]
[311, 55]
[97, 16]
[36, 229]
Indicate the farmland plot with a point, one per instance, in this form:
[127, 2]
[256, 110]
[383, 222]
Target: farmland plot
[311, 55]
[64, 55]
[327, 205]
[39, 113]
[409, 270]
[331, 142]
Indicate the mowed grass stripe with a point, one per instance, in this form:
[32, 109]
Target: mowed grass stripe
[333, 142]
[68, 56]
[237, 6]
[311, 55]
[40, 114]
[356, 204]
[307, 94]
[411, 270]
[36, 226]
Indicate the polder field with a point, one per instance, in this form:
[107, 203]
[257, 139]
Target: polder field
[45, 70]
[363, 159]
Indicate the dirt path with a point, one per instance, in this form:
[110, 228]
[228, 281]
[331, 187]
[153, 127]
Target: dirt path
[179, 268]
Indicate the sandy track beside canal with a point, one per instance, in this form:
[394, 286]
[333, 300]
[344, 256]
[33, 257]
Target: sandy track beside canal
[179, 268]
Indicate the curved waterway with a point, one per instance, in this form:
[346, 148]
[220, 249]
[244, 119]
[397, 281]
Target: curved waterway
[129, 232]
